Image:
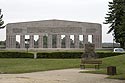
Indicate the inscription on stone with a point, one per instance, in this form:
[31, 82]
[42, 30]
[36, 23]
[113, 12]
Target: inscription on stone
[91, 30]
[16, 30]
[54, 29]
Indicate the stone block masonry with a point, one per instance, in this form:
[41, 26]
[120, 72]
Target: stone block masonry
[49, 28]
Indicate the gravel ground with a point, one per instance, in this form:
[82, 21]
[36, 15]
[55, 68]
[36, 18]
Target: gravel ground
[57, 76]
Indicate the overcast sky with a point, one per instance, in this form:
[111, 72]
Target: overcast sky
[74, 10]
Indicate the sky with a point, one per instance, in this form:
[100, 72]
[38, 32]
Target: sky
[93, 11]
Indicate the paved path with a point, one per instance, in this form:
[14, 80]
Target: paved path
[57, 76]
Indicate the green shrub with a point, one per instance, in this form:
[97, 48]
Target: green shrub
[73, 54]
[107, 54]
[56, 55]
[60, 55]
[16, 55]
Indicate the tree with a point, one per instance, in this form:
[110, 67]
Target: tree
[2, 43]
[1, 21]
[116, 19]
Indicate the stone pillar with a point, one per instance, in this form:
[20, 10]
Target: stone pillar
[11, 41]
[7, 41]
[58, 41]
[67, 41]
[96, 41]
[49, 41]
[76, 41]
[40, 42]
[100, 41]
[31, 41]
[22, 41]
[85, 39]
[14, 41]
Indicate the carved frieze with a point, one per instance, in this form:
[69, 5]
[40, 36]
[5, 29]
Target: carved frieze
[54, 29]
[92, 30]
[17, 30]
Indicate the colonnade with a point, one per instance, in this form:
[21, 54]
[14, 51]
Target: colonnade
[11, 41]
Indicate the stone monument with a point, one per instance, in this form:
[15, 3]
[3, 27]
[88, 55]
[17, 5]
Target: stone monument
[89, 52]
[54, 30]
[89, 57]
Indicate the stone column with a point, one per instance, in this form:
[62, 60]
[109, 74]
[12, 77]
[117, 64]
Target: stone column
[100, 41]
[22, 41]
[13, 41]
[31, 41]
[40, 42]
[10, 42]
[49, 41]
[67, 41]
[96, 41]
[85, 39]
[76, 41]
[7, 41]
[58, 41]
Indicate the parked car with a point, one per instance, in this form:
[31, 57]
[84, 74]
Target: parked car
[118, 50]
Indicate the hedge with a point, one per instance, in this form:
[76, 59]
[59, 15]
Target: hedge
[60, 55]
[107, 54]
[54, 55]
[16, 55]
[73, 54]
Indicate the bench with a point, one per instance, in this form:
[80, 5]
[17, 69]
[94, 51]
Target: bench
[92, 62]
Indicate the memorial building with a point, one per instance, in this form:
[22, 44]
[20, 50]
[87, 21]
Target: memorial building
[54, 34]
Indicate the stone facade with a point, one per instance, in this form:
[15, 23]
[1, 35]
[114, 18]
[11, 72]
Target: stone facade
[50, 28]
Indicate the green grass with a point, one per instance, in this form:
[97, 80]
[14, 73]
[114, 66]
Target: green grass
[33, 65]
[118, 61]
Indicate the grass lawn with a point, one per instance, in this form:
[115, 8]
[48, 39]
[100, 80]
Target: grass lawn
[118, 61]
[33, 65]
